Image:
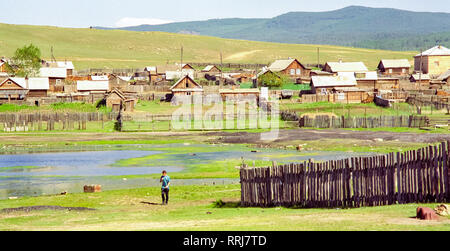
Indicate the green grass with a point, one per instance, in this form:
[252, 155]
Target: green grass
[124, 49]
[56, 107]
[196, 208]
[346, 109]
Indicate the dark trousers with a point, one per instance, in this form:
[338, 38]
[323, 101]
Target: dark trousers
[165, 195]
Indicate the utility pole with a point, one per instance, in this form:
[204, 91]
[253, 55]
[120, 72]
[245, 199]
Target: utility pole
[318, 57]
[181, 65]
[53, 57]
[420, 73]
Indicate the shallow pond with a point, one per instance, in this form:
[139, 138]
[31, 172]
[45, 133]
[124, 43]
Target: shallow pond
[33, 174]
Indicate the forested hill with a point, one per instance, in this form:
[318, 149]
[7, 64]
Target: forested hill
[378, 28]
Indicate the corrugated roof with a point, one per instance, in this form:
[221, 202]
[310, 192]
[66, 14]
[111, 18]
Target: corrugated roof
[38, 84]
[347, 66]
[280, 65]
[330, 81]
[423, 77]
[396, 63]
[87, 85]
[20, 81]
[444, 76]
[438, 50]
[53, 72]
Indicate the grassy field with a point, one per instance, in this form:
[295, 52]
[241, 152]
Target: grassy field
[57, 107]
[90, 48]
[196, 208]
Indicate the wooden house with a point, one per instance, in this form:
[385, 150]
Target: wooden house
[56, 77]
[184, 88]
[365, 80]
[420, 78]
[394, 67]
[154, 75]
[336, 67]
[66, 65]
[212, 69]
[13, 89]
[116, 98]
[434, 61]
[290, 67]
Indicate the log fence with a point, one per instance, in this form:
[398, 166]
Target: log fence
[416, 176]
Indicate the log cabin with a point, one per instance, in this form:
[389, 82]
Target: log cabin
[326, 84]
[116, 97]
[212, 69]
[291, 68]
[394, 67]
[420, 78]
[56, 77]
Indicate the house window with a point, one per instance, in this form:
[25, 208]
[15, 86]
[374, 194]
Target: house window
[188, 93]
[403, 70]
[292, 71]
[299, 72]
[9, 83]
[390, 70]
[58, 81]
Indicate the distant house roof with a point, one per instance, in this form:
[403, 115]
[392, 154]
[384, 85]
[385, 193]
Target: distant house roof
[438, 50]
[282, 64]
[65, 64]
[347, 66]
[183, 78]
[51, 72]
[88, 85]
[444, 76]
[38, 84]
[368, 75]
[150, 69]
[238, 91]
[418, 76]
[209, 68]
[395, 63]
[99, 78]
[331, 81]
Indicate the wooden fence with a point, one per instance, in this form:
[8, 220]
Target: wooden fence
[326, 121]
[20, 122]
[417, 176]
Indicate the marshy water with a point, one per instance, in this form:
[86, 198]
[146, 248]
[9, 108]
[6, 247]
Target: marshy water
[33, 172]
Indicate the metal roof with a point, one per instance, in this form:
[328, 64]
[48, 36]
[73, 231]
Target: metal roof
[327, 81]
[209, 68]
[52, 72]
[396, 63]
[423, 77]
[347, 66]
[38, 84]
[438, 50]
[19, 81]
[444, 75]
[88, 85]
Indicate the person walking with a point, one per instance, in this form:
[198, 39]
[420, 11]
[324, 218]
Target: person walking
[165, 182]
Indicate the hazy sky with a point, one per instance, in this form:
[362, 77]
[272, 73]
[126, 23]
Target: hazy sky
[113, 13]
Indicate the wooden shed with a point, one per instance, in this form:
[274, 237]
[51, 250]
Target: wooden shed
[420, 78]
[240, 94]
[116, 97]
[336, 67]
[394, 67]
[212, 69]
